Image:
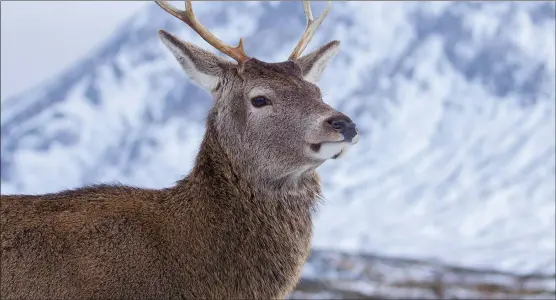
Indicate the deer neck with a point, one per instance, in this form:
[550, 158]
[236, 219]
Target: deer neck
[215, 168]
[243, 225]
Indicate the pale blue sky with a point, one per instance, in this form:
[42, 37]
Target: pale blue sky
[41, 38]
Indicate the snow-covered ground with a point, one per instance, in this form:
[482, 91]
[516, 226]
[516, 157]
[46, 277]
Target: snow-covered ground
[455, 102]
[336, 275]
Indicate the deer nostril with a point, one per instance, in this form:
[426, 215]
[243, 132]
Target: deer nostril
[343, 125]
[338, 125]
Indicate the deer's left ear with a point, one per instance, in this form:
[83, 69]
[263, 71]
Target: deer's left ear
[313, 64]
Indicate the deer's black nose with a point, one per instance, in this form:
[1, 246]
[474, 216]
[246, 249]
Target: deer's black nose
[343, 125]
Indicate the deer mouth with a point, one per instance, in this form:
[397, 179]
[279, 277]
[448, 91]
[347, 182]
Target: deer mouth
[333, 149]
[315, 147]
[329, 150]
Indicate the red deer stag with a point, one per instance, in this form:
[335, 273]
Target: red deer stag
[237, 227]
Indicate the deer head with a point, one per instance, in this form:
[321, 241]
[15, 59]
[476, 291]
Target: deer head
[269, 118]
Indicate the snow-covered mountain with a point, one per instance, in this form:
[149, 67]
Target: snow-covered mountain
[455, 102]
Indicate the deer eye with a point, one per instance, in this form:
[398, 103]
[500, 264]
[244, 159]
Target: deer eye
[260, 101]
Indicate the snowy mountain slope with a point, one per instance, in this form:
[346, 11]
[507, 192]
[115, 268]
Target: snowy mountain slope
[455, 102]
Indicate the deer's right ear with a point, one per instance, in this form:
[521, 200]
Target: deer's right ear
[203, 67]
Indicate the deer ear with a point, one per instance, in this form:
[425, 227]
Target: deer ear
[313, 64]
[203, 67]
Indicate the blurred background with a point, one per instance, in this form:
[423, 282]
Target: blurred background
[449, 194]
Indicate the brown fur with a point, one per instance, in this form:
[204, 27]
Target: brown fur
[238, 226]
[211, 236]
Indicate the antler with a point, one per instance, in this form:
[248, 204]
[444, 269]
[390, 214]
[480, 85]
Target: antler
[312, 26]
[188, 17]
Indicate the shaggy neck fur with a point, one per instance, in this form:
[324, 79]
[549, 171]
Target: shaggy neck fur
[254, 240]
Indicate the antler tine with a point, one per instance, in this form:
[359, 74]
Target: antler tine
[312, 26]
[188, 17]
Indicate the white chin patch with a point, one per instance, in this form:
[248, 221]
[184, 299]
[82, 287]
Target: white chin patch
[332, 150]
